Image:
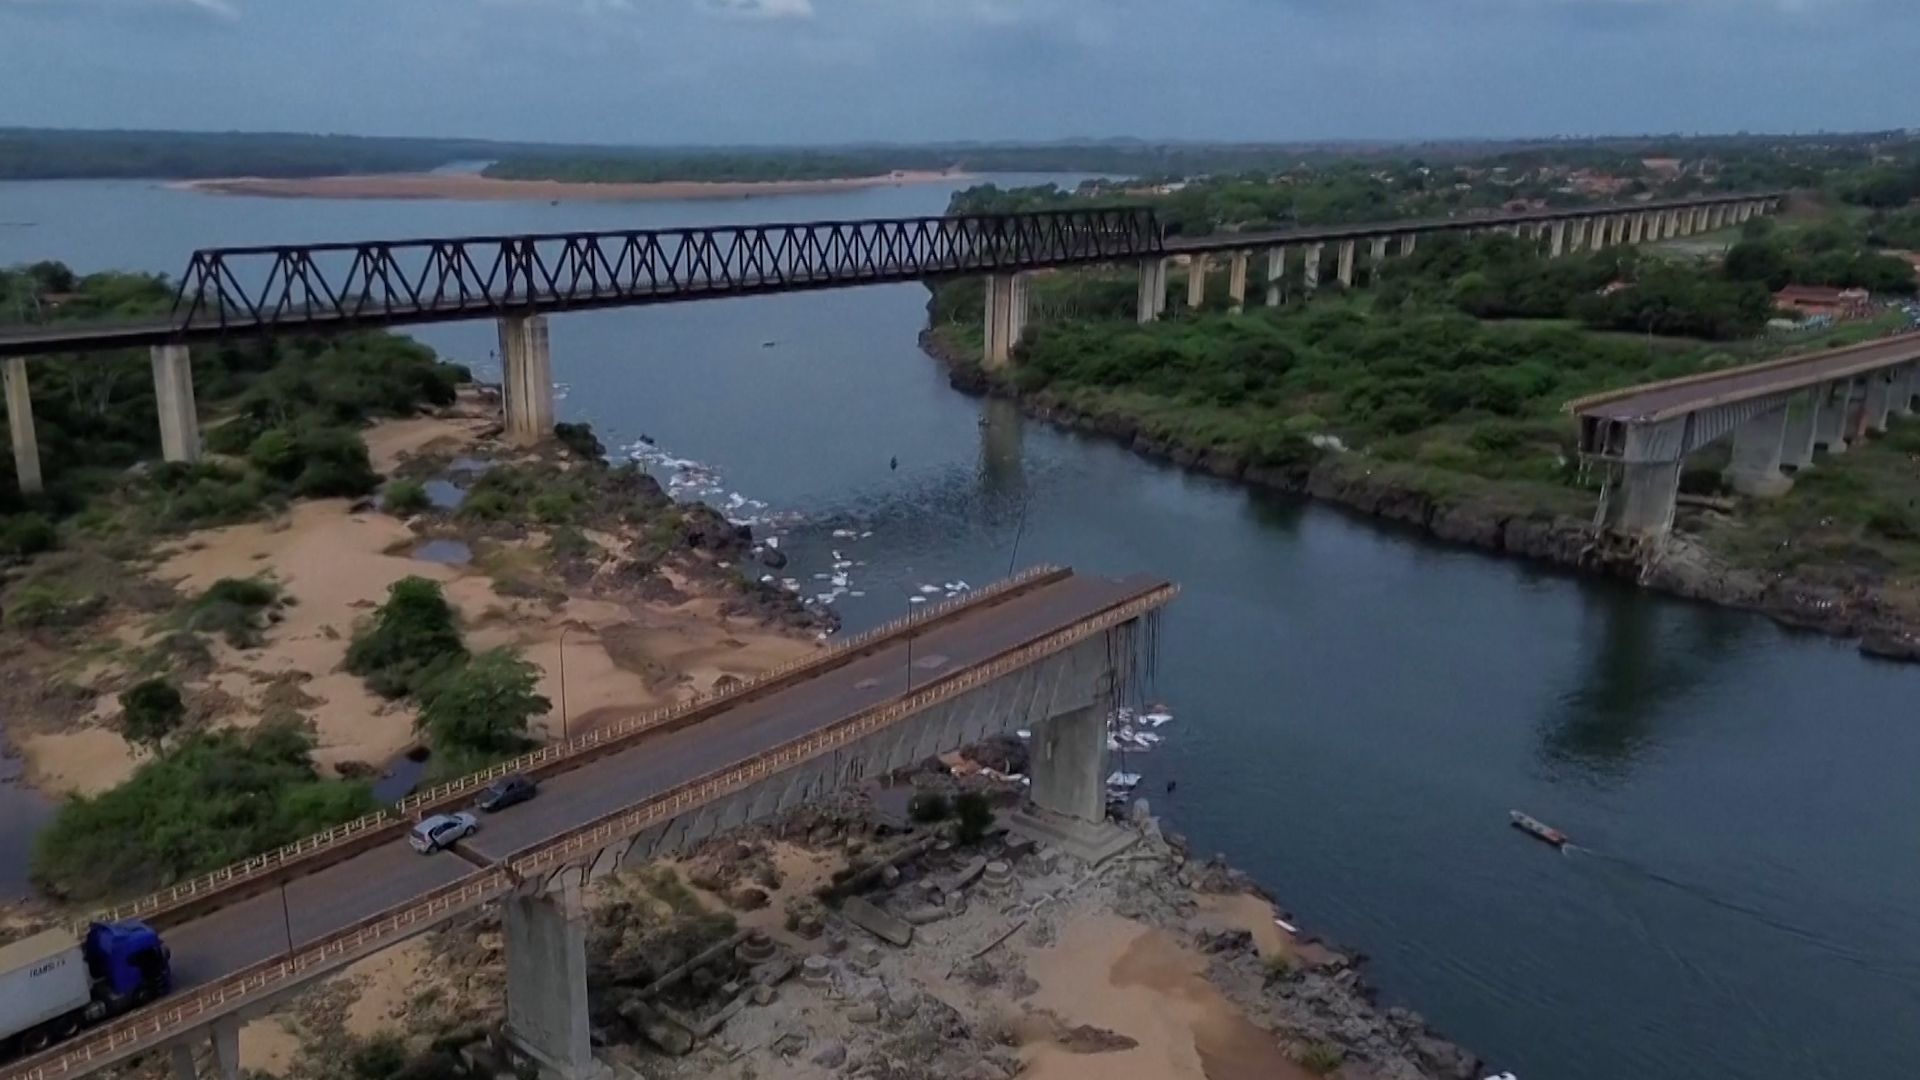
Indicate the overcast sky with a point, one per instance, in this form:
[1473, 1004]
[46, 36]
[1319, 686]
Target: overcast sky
[834, 70]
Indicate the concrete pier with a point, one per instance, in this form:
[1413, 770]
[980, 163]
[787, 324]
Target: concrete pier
[1237, 282]
[1196, 282]
[1557, 240]
[1637, 228]
[1803, 421]
[1597, 234]
[526, 363]
[1153, 289]
[1006, 318]
[173, 395]
[1069, 764]
[1755, 468]
[26, 448]
[1879, 402]
[547, 982]
[1276, 273]
[1376, 260]
[1310, 280]
[1408, 241]
[1645, 503]
[1347, 249]
[1830, 427]
[223, 1063]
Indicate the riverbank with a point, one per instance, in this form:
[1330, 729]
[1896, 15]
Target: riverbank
[759, 954]
[470, 187]
[1535, 521]
[636, 633]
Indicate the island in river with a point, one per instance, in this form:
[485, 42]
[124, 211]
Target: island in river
[468, 186]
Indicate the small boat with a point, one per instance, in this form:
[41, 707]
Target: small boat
[1537, 829]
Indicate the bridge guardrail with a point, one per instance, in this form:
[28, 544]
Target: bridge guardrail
[547, 759]
[155, 1025]
[1602, 397]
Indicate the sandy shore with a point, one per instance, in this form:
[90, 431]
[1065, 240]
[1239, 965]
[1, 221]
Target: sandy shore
[482, 188]
[335, 563]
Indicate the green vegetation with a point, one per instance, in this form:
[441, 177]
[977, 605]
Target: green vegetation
[1319, 1058]
[151, 712]
[236, 609]
[481, 709]
[212, 799]
[1835, 252]
[928, 807]
[405, 497]
[972, 816]
[412, 640]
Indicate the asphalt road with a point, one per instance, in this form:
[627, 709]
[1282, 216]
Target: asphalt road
[1658, 402]
[259, 928]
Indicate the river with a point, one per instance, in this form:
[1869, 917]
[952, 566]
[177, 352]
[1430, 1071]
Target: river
[1357, 707]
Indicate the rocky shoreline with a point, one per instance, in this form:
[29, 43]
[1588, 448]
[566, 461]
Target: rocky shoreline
[1680, 568]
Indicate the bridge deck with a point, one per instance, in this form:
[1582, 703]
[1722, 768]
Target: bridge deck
[1653, 402]
[252, 930]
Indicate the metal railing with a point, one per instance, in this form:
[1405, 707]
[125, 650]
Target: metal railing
[409, 809]
[155, 1025]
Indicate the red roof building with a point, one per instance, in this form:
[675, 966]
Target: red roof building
[1823, 300]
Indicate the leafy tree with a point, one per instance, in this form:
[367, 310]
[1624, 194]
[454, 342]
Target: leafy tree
[151, 711]
[412, 639]
[483, 707]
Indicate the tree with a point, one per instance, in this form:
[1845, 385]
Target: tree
[412, 637]
[483, 707]
[1759, 260]
[152, 711]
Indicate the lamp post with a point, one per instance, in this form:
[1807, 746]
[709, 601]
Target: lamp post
[286, 921]
[564, 736]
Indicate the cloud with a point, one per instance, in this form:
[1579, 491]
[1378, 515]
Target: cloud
[761, 9]
[222, 10]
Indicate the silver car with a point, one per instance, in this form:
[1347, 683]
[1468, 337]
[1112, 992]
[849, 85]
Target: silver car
[442, 831]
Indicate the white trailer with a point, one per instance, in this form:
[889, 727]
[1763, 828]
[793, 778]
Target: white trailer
[42, 979]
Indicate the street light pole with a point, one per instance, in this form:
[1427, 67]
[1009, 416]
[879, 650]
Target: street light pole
[564, 737]
[286, 920]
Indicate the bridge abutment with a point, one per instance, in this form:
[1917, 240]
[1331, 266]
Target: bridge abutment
[173, 396]
[547, 1013]
[26, 447]
[526, 362]
[1646, 503]
[1006, 317]
[1757, 445]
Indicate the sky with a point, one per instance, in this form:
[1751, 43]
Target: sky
[800, 71]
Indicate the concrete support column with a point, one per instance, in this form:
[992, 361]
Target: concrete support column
[1197, 282]
[1755, 468]
[1376, 260]
[1646, 501]
[26, 448]
[1153, 289]
[1347, 249]
[547, 981]
[1069, 764]
[1597, 234]
[1237, 282]
[1579, 241]
[1408, 241]
[1901, 404]
[173, 394]
[1879, 402]
[225, 1062]
[1006, 317]
[1276, 273]
[1830, 428]
[1316, 253]
[1637, 228]
[1803, 422]
[1557, 242]
[527, 366]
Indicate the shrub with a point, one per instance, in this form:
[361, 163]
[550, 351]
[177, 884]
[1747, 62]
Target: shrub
[26, 534]
[973, 816]
[50, 604]
[1319, 1058]
[232, 607]
[488, 505]
[928, 807]
[484, 706]
[412, 637]
[580, 439]
[151, 711]
[214, 799]
[335, 465]
[552, 507]
[277, 454]
[1894, 523]
[405, 497]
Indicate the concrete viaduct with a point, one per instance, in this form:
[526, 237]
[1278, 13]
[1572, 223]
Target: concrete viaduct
[1048, 650]
[1777, 414]
[518, 280]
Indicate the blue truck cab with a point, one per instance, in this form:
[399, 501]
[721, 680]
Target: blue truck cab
[129, 963]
